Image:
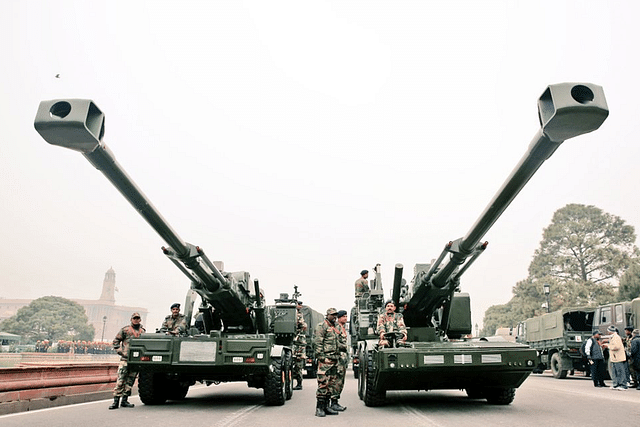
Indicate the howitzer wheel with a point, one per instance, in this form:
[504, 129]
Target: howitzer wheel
[177, 390]
[500, 396]
[275, 384]
[152, 388]
[556, 367]
[288, 376]
[361, 374]
[372, 396]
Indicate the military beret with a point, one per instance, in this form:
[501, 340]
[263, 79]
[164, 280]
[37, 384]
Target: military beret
[628, 328]
[341, 313]
[175, 304]
[135, 315]
[596, 332]
[363, 272]
[332, 311]
[389, 301]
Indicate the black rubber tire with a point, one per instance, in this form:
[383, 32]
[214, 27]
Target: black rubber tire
[475, 393]
[372, 396]
[361, 375]
[500, 396]
[556, 363]
[177, 390]
[274, 384]
[288, 375]
[152, 388]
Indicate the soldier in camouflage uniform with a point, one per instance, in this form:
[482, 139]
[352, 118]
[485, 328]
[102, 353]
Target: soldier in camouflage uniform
[175, 323]
[326, 343]
[390, 321]
[126, 378]
[299, 347]
[362, 285]
[343, 361]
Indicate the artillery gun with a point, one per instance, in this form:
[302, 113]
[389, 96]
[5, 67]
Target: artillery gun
[439, 353]
[234, 341]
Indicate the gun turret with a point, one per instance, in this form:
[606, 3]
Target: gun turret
[79, 124]
[565, 110]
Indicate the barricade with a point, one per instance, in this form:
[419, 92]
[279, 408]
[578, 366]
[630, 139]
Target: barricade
[25, 387]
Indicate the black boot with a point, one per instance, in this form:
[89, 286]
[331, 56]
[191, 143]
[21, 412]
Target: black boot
[298, 385]
[116, 403]
[336, 406]
[328, 409]
[320, 408]
[125, 402]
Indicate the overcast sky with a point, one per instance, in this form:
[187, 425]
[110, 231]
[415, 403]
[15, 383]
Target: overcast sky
[303, 141]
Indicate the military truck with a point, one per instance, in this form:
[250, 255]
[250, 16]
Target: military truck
[557, 337]
[234, 340]
[620, 314]
[438, 353]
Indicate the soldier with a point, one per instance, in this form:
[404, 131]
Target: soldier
[299, 347]
[628, 331]
[343, 362]
[175, 323]
[390, 321]
[126, 378]
[362, 285]
[326, 342]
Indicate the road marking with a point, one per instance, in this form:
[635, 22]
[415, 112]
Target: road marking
[421, 417]
[235, 417]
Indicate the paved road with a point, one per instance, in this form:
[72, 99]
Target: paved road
[542, 400]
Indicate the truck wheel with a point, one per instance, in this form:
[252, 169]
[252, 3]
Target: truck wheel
[275, 384]
[288, 376]
[556, 367]
[500, 396]
[372, 396]
[152, 388]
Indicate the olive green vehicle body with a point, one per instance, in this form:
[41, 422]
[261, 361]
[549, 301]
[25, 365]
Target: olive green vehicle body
[439, 352]
[557, 337]
[233, 336]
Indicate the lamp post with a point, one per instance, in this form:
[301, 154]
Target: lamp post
[547, 291]
[104, 323]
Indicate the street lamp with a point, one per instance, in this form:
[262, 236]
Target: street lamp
[104, 323]
[547, 291]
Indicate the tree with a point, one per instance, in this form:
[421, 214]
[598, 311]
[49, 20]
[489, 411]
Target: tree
[50, 318]
[583, 255]
[585, 245]
[630, 284]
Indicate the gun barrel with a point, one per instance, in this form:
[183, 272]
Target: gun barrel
[565, 110]
[78, 124]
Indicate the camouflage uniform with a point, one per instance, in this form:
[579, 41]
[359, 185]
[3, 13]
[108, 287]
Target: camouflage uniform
[299, 347]
[343, 362]
[390, 323]
[362, 286]
[326, 342]
[121, 342]
[177, 326]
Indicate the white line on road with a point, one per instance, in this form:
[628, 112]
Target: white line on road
[422, 418]
[236, 417]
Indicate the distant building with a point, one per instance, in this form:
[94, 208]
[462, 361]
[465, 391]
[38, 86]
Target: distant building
[106, 317]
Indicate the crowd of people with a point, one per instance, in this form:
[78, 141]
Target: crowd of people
[77, 347]
[624, 355]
